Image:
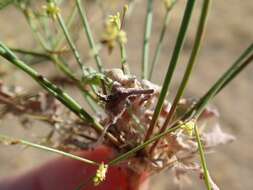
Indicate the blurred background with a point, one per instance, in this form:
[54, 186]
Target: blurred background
[229, 31]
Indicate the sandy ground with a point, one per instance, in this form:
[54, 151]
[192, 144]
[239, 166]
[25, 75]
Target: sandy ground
[230, 30]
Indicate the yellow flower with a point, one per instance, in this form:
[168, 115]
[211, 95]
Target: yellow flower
[169, 4]
[188, 127]
[51, 9]
[115, 21]
[100, 174]
[113, 32]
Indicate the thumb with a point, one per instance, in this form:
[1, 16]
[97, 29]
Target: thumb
[68, 174]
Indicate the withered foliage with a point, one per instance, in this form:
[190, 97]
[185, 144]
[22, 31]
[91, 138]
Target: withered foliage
[129, 107]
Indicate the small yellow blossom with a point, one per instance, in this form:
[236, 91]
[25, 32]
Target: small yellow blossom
[188, 127]
[169, 4]
[100, 174]
[115, 21]
[51, 9]
[113, 32]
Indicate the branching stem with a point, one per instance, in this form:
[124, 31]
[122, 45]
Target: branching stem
[62, 96]
[89, 35]
[13, 141]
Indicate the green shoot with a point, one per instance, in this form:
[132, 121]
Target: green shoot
[14, 141]
[198, 39]
[171, 68]
[147, 34]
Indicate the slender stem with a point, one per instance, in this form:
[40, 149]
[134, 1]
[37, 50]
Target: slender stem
[123, 58]
[160, 43]
[14, 141]
[64, 68]
[174, 127]
[29, 15]
[173, 62]
[63, 97]
[67, 71]
[202, 158]
[126, 155]
[147, 34]
[91, 41]
[73, 48]
[46, 29]
[239, 60]
[71, 43]
[220, 84]
[30, 18]
[89, 35]
[60, 36]
[77, 57]
[198, 39]
[31, 52]
[244, 60]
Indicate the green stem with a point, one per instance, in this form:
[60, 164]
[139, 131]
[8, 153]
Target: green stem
[88, 32]
[160, 43]
[29, 15]
[202, 158]
[147, 34]
[177, 124]
[91, 41]
[72, 46]
[173, 62]
[174, 127]
[126, 155]
[14, 141]
[198, 39]
[66, 70]
[123, 58]
[31, 20]
[71, 43]
[46, 29]
[239, 68]
[31, 52]
[244, 60]
[60, 36]
[54, 90]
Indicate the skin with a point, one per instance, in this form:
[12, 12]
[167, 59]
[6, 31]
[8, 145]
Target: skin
[68, 174]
